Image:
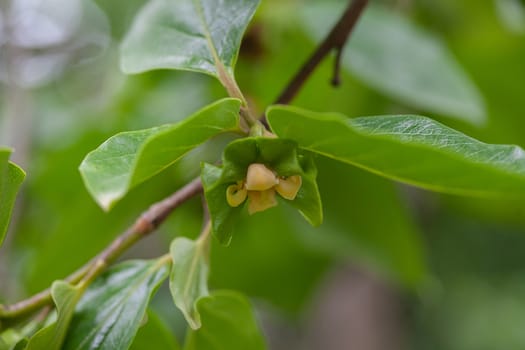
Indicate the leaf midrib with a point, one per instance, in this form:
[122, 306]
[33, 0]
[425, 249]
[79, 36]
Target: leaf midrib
[193, 267]
[491, 166]
[207, 34]
[147, 273]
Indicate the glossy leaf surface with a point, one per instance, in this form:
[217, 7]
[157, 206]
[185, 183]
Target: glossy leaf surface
[407, 148]
[189, 276]
[394, 56]
[113, 307]
[129, 158]
[11, 177]
[195, 35]
[227, 323]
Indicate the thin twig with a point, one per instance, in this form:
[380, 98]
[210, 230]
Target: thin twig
[336, 79]
[146, 223]
[336, 39]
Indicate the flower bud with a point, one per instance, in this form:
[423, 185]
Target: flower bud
[236, 194]
[260, 178]
[289, 187]
[269, 134]
[261, 200]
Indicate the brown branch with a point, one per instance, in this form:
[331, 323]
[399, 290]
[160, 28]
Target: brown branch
[335, 40]
[146, 223]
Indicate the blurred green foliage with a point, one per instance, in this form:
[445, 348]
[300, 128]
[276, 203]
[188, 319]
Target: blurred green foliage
[458, 260]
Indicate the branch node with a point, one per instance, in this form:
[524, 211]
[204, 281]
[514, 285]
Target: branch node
[145, 223]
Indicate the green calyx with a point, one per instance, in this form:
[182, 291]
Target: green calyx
[254, 171]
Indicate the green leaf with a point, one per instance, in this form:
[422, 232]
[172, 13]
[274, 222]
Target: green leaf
[113, 307]
[11, 339]
[281, 156]
[21, 345]
[399, 59]
[129, 158]
[18, 338]
[8, 338]
[227, 323]
[154, 335]
[223, 216]
[411, 149]
[11, 177]
[52, 337]
[194, 35]
[189, 276]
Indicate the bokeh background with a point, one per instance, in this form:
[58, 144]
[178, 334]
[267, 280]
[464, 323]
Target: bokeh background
[392, 267]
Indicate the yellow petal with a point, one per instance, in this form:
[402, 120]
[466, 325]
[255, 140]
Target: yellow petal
[260, 178]
[268, 134]
[289, 187]
[236, 194]
[261, 200]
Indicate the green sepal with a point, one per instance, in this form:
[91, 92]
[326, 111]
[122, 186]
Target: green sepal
[280, 155]
[223, 216]
[308, 200]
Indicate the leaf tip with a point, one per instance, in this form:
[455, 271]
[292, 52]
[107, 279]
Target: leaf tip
[313, 220]
[224, 237]
[194, 322]
[106, 201]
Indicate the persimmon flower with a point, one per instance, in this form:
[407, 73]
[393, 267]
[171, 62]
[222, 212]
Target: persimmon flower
[260, 186]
